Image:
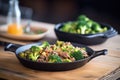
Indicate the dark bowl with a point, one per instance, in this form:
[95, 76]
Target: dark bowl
[87, 39]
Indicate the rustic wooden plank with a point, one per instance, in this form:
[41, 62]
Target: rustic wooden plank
[8, 74]
[114, 75]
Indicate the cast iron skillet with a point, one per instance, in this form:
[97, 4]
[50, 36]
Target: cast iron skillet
[87, 39]
[53, 66]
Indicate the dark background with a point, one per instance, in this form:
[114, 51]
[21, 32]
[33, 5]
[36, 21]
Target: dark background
[56, 11]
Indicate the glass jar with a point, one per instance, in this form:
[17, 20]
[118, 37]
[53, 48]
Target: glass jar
[14, 18]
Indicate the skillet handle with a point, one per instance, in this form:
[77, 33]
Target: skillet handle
[98, 53]
[110, 33]
[11, 47]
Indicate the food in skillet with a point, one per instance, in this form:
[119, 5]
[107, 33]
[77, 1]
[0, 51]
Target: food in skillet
[83, 25]
[56, 53]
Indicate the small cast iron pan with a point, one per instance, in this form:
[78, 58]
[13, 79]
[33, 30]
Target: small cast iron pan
[86, 39]
[53, 66]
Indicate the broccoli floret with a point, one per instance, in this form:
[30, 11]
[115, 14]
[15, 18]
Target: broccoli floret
[53, 58]
[33, 56]
[22, 54]
[104, 29]
[83, 18]
[88, 31]
[67, 60]
[59, 43]
[39, 48]
[89, 23]
[64, 48]
[82, 28]
[35, 49]
[77, 54]
[67, 49]
[44, 44]
[35, 53]
[66, 27]
[96, 27]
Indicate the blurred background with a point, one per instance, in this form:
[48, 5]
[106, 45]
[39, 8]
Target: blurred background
[56, 11]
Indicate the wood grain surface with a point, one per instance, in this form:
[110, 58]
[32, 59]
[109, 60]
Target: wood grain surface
[98, 68]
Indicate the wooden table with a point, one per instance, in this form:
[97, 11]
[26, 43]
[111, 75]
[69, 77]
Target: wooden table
[101, 68]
